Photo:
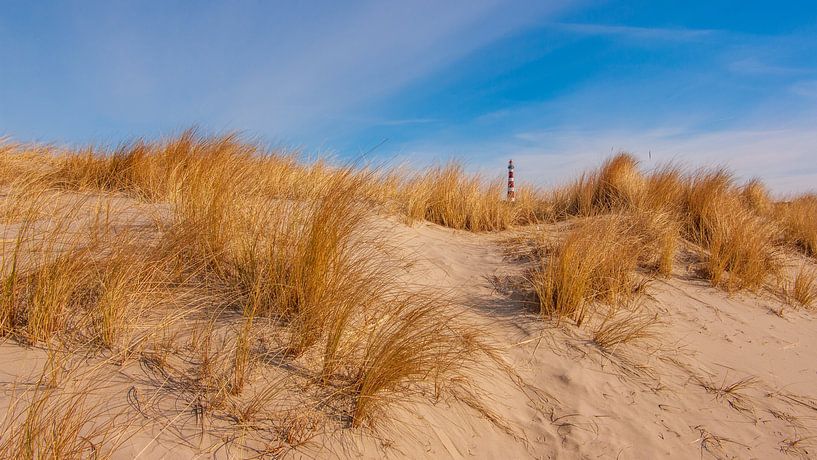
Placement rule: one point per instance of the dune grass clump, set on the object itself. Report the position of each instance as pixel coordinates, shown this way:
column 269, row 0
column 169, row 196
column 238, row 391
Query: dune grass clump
column 413, row 344
column 277, row 258
column 730, row 224
column 742, row 253
column 738, row 242
column 658, row 233
column 52, row 425
column 756, row 197
column 146, row 170
column 797, row 217
column 595, row 263
column 617, row 185
column 804, row 287
column 68, row 274
column 45, row 274
column 448, row 196
column 57, row 415
column 665, row 190
column 617, row 329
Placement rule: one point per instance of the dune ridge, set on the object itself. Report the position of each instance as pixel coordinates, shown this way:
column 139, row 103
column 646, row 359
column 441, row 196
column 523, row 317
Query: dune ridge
column 207, row 296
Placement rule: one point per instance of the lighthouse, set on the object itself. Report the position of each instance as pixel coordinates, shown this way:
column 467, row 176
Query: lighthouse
column 511, row 189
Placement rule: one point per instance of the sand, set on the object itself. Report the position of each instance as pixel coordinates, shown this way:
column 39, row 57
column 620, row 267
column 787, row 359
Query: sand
column 561, row 396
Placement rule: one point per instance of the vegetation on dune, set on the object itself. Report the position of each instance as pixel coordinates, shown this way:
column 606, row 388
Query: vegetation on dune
column 796, row 216
column 804, row 287
column 449, row 197
column 594, row 263
column 271, row 266
column 271, row 258
column 627, row 221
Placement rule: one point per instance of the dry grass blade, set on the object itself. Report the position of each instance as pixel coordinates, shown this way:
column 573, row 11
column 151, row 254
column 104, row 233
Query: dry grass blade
column 804, row 287
column 802, row 447
column 732, row 393
column 618, row 329
column 714, row 444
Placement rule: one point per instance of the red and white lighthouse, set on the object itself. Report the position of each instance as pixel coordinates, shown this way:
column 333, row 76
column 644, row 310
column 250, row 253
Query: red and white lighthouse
column 511, row 189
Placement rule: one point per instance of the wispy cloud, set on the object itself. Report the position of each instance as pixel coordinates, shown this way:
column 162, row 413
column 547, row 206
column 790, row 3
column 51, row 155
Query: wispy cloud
column 755, row 65
column 371, row 52
column 805, row 88
column 637, row 33
column 407, row 121
column 284, row 70
column 783, row 157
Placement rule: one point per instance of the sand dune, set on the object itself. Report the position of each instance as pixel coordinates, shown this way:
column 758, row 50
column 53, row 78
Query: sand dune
column 195, row 317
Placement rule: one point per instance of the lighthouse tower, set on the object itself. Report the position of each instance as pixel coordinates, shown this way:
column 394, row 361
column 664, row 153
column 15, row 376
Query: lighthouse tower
column 511, row 189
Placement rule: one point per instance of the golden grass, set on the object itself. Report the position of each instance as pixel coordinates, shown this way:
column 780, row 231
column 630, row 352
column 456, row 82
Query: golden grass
column 278, row 251
column 665, row 189
column 56, row 416
column 598, row 261
column 413, row 343
column 756, row 197
column 271, row 268
column 799, row 224
column 594, row 263
column 616, row 185
column 804, row 287
column 52, row 426
column 617, row 329
column 731, row 225
column 448, row 196
column 658, row 233
column 740, row 244
column 619, row 184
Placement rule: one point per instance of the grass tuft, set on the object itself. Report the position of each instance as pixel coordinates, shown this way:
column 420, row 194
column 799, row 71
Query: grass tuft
column 625, row 328
column 595, row 263
column 804, row 287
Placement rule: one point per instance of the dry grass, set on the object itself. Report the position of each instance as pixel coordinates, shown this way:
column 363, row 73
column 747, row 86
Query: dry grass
column 665, row 190
column 799, row 225
column 271, row 263
column 412, row 344
column 51, row 426
column 448, row 196
column 598, row 262
column 69, row 273
column 658, row 233
column 742, row 246
column 259, row 289
column 615, row 329
column 732, row 226
column 804, row 287
column 739, row 242
column 617, row 185
column 732, row 393
column 595, row 263
column 756, row 197
column 56, row 416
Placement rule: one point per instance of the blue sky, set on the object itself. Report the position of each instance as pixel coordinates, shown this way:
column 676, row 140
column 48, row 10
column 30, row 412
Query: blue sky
column 554, row 85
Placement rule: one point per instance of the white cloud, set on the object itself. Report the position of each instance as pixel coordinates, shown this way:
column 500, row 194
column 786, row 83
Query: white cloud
column 367, row 53
column 785, row 158
column 637, row 33
column 807, row 88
